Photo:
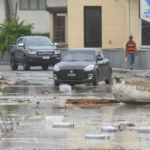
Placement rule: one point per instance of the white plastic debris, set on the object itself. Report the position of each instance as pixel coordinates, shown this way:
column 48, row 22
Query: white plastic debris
column 65, row 88
column 62, row 125
column 143, row 129
column 6, row 122
column 109, row 129
column 52, row 119
column 97, row 136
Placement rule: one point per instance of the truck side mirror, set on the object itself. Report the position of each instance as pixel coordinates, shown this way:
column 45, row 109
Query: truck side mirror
column 21, row 45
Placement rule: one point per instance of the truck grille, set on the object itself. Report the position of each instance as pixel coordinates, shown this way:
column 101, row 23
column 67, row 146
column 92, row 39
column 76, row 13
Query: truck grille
column 66, row 74
column 45, row 53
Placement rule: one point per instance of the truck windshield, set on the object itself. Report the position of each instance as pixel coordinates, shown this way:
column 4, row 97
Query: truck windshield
column 38, row 42
column 79, row 56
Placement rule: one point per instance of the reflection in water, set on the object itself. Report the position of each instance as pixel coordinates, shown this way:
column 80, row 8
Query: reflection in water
column 34, row 90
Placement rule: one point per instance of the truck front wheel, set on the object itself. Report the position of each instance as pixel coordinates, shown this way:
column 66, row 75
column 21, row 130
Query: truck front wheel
column 13, row 64
column 26, row 64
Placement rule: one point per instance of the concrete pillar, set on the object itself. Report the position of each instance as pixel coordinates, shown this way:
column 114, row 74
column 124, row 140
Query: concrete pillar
column 51, row 26
column 127, row 18
column 66, row 28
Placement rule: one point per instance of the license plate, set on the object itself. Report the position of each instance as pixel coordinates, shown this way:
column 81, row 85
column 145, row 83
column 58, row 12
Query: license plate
column 71, row 74
column 46, row 57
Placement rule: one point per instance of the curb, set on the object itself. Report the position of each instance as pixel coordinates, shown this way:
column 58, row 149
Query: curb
column 4, row 63
column 119, row 70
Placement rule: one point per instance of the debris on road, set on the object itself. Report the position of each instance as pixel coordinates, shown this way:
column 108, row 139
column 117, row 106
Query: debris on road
column 4, row 82
column 62, row 125
column 109, row 129
column 20, row 82
column 6, row 126
column 38, row 113
column 52, row 119
column 129, row 124
column 143, row 130
column 46, row 92
column 121, row 127
column 65, row 88
column 97, row 136
column 131, row 91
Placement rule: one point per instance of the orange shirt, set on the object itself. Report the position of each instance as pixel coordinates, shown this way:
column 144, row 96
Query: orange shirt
column 131, row 47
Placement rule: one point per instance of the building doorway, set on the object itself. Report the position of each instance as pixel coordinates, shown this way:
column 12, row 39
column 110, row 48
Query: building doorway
column 59, row 27
column 92, row 26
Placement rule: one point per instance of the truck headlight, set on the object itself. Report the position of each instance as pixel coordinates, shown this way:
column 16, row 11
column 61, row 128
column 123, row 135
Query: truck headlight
column 56, row 68
column 89, row 68
column 57, row 52
column 32, row 52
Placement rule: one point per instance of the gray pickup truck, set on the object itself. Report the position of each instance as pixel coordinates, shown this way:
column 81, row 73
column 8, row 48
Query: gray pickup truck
column 34, row 51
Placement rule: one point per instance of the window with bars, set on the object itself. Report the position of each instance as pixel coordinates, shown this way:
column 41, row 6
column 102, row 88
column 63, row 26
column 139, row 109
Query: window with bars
column 32, row 4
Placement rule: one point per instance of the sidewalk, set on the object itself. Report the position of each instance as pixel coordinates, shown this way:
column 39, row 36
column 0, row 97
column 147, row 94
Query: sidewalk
column 122, row 70
column 4, row 63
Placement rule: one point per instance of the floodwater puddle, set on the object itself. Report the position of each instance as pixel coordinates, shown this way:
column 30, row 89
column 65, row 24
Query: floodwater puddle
column 31, row 90
column 34, row 133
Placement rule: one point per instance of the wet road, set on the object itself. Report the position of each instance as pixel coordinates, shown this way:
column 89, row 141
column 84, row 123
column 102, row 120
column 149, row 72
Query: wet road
column 32, row 131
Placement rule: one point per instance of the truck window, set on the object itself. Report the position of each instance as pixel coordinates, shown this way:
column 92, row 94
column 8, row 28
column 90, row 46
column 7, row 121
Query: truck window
column 20, row 41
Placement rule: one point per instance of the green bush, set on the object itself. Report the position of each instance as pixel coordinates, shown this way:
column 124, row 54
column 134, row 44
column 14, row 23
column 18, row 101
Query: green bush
column 40, row 34
column 10, row 30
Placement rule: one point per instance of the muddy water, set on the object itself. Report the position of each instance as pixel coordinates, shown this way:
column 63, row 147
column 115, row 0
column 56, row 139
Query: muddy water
column 33, row 133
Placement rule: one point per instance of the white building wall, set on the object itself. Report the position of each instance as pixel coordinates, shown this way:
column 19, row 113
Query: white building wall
column 2, row 11
column 40, row 18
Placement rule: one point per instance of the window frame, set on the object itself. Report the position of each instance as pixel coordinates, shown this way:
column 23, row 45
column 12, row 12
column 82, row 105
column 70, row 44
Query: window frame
column 142, row 46
column 18, row 42
column 20, row 2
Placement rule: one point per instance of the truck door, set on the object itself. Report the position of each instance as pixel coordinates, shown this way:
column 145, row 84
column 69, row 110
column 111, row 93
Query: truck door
column 19, row 50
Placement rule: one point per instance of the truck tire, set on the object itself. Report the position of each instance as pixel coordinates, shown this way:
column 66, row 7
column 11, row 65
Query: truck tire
column 26, row 64
column 13, row 64
column 56, row 84
column 45, row 67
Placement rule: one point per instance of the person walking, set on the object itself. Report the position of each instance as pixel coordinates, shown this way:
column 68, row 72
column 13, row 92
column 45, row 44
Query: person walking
column 131, row 51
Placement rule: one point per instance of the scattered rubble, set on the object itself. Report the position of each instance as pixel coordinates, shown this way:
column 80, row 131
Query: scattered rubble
column 4, row 82
column 131, row 91
column 97, row 136
column 62, row 125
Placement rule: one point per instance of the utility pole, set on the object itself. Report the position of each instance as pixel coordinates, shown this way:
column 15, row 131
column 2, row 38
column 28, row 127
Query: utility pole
column 7, row 10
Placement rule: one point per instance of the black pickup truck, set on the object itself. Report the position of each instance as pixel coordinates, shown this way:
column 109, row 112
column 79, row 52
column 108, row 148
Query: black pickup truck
column 34, row 51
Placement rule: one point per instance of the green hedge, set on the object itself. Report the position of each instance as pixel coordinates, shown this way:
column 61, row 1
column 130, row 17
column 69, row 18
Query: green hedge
column 41, row 34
